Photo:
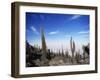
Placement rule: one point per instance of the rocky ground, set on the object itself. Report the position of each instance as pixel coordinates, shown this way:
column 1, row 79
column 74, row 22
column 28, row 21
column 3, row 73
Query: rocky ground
column 35, row 57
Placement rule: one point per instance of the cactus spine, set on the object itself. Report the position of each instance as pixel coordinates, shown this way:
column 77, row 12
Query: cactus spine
column 72, row 45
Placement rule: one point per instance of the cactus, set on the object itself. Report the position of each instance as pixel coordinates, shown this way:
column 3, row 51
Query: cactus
column 43, row 41
column 72, row 45
column 67, row 53
column 62, row 51
column 77, row 56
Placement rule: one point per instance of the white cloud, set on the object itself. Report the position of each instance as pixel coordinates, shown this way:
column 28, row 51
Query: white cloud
column 53, row 32
column 83, row 32
column 75, row 17
column 34, row 30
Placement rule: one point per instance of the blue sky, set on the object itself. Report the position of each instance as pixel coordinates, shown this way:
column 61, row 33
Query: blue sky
column 58, row 29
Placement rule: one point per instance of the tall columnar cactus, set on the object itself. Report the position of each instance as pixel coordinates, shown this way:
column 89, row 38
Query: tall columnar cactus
column 72, row 46
column 43, row 40
column 62, row 50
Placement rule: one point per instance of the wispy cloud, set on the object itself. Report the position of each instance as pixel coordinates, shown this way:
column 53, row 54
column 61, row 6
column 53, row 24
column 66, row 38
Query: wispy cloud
column 83, row 32
column 75, row 17
column 34, row 30
column 53, row 32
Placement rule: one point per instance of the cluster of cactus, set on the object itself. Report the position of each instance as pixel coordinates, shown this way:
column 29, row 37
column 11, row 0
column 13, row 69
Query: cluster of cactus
column 72, row 46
